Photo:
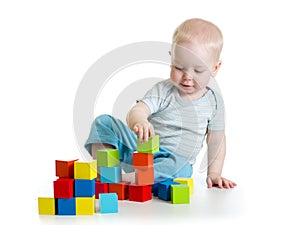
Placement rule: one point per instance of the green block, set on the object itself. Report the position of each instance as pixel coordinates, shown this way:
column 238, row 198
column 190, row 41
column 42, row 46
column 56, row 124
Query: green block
column 108, row 157
column 148, row 147
column 180, row 194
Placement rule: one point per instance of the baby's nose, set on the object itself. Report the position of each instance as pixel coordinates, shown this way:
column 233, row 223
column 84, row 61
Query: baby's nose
column 187, row 75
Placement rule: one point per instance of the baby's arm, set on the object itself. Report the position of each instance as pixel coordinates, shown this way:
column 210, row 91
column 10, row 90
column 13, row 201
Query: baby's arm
column 137, row 120
column 216, row 144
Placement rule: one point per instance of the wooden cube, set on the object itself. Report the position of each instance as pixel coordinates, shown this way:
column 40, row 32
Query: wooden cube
column 84, row 188
column 108, row 157
column 187, row 181
column 85, row 205
column 64, row 168
column 63, row 188
column 66, row 206
column 85, row 170
column 148, row 147
column 144, row 176
column 100, row 188
column 46, row 205
column 108, row 203
column 140, row 193
column 121, row 189
column 180, row 194
column 142, row 160
column 110, row 174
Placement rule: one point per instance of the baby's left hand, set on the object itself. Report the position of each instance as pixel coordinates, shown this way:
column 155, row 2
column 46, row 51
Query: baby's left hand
column 221, row 182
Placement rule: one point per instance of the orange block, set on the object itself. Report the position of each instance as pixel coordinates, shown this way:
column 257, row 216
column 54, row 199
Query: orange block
column 144, row 175
column 142, row 159
column 64, row 168
column 121, row 189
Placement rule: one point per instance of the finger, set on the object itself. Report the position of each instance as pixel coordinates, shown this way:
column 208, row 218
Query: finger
column 140, row 133
column 220, row 183
column 151, row 131
column 226, row 183
column 135, row 129
column 209, row 182
column 232, row 184
column 146, row 133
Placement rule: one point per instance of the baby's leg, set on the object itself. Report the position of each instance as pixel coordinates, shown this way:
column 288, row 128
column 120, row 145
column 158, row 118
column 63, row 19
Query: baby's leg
column 109, row 132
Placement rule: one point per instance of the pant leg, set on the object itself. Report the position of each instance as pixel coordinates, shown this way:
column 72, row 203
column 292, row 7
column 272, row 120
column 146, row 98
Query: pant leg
column 167, row 165
column 109, row 130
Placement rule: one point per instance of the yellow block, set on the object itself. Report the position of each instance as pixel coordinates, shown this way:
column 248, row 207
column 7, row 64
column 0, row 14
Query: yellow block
column 85, row 205
column 85, row 170
column 187, row 181
column 46, row 205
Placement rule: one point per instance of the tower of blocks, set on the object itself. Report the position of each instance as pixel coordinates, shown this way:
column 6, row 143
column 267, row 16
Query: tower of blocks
column 80, row 184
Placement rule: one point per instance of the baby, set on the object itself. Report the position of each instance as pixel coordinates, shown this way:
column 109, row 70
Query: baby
column 183, row 110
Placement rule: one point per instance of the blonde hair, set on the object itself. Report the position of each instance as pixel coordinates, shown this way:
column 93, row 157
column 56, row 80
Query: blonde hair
column 202, row 32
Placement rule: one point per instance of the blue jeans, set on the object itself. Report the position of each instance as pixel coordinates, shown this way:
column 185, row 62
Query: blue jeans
column 109, row 130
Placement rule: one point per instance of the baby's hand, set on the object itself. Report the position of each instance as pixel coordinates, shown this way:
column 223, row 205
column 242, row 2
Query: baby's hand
column 144, row 130
column 216, row 180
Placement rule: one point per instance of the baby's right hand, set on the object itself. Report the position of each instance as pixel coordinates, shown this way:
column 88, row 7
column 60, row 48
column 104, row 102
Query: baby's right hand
column 143, row 130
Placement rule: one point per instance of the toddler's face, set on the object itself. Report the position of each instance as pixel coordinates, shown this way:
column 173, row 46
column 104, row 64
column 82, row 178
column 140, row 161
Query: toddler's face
column 189, row 73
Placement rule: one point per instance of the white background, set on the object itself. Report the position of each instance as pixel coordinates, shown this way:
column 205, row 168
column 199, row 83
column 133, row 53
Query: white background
column 47, row 46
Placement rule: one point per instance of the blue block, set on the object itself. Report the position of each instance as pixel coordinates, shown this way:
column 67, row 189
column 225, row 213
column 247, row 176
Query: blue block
column 66, row 206
column 110, row 174
column 84, row 188
column 164, row 189
column 108, row 203
column 155, row 189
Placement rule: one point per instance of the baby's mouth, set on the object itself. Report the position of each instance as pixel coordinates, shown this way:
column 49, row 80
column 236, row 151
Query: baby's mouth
column 186, row 85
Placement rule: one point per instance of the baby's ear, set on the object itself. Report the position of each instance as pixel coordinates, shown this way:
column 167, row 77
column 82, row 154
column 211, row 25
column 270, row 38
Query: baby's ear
column 216, row 68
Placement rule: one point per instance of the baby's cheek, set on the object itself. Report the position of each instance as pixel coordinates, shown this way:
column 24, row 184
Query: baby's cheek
column 174, row 76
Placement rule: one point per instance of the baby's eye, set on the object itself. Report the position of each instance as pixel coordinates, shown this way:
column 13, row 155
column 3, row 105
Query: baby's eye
column 178, row 68
column 198, row 71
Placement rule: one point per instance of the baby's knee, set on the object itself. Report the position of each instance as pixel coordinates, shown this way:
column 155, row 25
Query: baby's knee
column 104, row 119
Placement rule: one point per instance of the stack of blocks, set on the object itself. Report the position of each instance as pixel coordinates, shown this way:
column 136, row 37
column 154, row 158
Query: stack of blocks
column 78, row 186
column 74, row 190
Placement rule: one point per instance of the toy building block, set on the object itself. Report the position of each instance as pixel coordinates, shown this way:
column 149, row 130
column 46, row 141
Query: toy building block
column 85, row 205
column 142, row 160
column 64, row 168
column 155, row 189
column 108, row 203
column 180, row 194
column 140, row 193
column 66, row 206
column 85, row 170
column 110, row 174
column 187, row 181
column 144, row 176
column 149, row 147
column 63, row 188
column 84, row 188
column 100, row 188
column 164, row 190
column 121, row 189
column 108, row 157
column 128, row 177
column 46, row 206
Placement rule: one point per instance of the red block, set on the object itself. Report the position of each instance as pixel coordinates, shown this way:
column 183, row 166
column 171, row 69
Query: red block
column 121, row 189
column 64, row 168
column 140, row 193
column 100, row 188
column 63, row 188
column 142, row 160
column 144, row 175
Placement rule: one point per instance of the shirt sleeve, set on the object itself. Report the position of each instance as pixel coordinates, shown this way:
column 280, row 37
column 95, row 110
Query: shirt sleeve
column 217, row 121
column 155, row 97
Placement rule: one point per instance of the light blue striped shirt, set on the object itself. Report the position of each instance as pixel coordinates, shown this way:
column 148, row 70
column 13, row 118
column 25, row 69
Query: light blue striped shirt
column 181, row 125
